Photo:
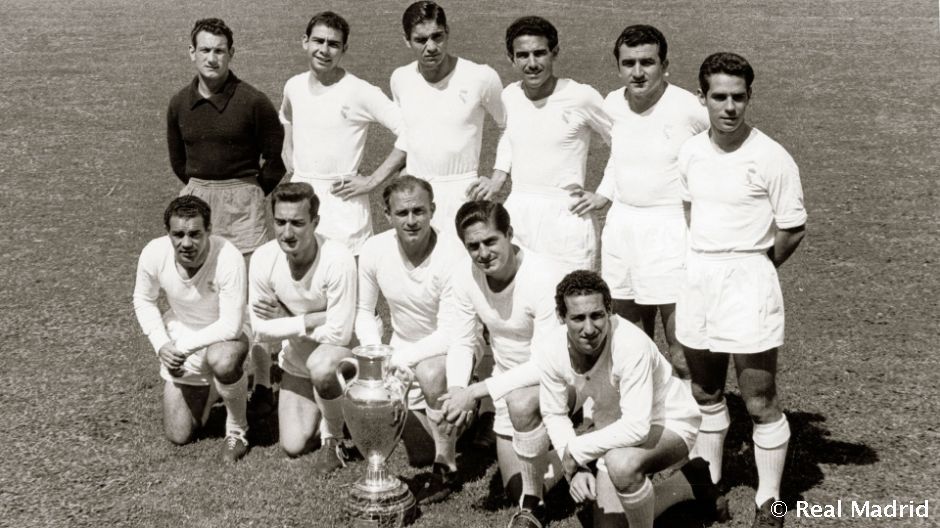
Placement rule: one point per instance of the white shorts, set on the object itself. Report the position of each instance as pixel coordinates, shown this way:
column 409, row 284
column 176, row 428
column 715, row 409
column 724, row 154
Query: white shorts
column 293, row 357
column 542, row 223
column 450, row 192
column 237, row 210
column 195, row 369
column 643, row 253
column 731, row 303
column 346, row 221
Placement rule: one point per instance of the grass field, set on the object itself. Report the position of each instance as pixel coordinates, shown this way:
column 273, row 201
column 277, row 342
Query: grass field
column 849, row 87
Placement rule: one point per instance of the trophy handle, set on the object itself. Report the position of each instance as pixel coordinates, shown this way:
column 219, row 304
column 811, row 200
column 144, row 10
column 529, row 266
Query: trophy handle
column 339, row 372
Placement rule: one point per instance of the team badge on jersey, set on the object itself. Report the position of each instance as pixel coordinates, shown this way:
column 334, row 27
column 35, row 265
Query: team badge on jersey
column 344, row 111
column 213, row 287
column 464, row 95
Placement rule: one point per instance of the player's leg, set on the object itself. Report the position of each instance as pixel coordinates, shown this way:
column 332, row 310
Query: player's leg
column 530, row 442
column 431, row 375
column 225, row 361
column 708, row 372
column 183, row 409
column 297, row 415
column 628, row 468
column 641, row 315
column 322, row 364
column 757, row 380
column 676, row 355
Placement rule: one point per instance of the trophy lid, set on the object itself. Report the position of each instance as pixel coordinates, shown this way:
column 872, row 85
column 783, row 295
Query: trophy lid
column 373, row 351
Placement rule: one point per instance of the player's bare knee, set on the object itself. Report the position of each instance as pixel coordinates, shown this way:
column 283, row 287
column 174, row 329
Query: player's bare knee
column 322, row 365
column 705, row 395
column 523, row 405
column 762, row 408
column 179, row 433
column 431, row 375
column 225, row 360
column 626, row 473
column 293, row 447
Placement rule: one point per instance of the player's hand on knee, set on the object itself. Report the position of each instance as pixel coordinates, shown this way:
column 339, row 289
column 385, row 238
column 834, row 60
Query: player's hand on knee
column 172, row 358
column 267, row 310
column 456, row 401
column 583, row 487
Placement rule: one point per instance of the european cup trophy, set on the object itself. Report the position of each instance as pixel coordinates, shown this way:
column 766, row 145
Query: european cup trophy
column 375, row 407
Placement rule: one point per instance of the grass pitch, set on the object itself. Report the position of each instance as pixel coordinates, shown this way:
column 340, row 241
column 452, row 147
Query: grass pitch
column 849, row 88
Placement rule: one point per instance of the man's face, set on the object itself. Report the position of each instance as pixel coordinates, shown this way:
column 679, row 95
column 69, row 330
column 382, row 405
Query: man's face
column 533, row 59
column 726, row 101
column 325, row 48
column 428, row 41
column 409, row 212
column 190, row 239
column 294, row 228
column 489, row 248
column 641, row 70
column 588, row 323
column 211, row 55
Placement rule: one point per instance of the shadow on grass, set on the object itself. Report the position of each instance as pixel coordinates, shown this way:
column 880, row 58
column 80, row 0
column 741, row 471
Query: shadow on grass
column 810, row 445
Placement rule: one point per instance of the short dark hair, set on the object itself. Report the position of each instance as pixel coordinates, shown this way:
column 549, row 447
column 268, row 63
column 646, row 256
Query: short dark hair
column 728, row 63
column 485, row 211
column 330, row 20
column 639, row 34
column 295, row 192
column 581, row 282
column 188, row 206
column 534, row 26
column 405, row 182
column 214, row 26
column 419, row 12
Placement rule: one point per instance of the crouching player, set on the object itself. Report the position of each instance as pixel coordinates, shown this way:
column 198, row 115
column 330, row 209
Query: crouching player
column 302, row 289
column 508, row 289
column 645, row 419
column 411, row 265
column 199, row 340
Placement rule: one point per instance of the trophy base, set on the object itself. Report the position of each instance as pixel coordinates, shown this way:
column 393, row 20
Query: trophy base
column 392, row 506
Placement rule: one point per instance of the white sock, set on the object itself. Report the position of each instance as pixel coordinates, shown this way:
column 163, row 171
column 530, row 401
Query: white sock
column 261, row 360
column 770, row 455
column 710, row 442
column 445, row 445
column 235, row 397
column 670, row 491
column 638, row 506
column 331, row 423
column 532, row 449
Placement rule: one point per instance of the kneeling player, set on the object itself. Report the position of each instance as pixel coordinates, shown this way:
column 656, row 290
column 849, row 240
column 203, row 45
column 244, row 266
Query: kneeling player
column 508, row 289
column 302, row 289
column 645, row 419
column 411, row 265
column 199, row 340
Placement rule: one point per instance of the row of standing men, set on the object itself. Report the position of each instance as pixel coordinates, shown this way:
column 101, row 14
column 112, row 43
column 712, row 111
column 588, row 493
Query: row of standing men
column 698, row 223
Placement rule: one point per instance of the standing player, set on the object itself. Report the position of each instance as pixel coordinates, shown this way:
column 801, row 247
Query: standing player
column 747, row 218
column 644, row 239
column 443, row 99
column 411, row 265
column 225, row 140
column 199, row 340
column 645, row 420
column 302, row 289
column 545, row 146
column 509, row 289
column 326, row 114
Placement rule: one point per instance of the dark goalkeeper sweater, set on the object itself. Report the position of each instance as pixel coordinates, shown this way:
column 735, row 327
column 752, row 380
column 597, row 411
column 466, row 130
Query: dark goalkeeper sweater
column 233, row 134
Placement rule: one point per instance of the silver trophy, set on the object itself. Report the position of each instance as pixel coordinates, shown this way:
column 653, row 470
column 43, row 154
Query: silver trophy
column 375, row 407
